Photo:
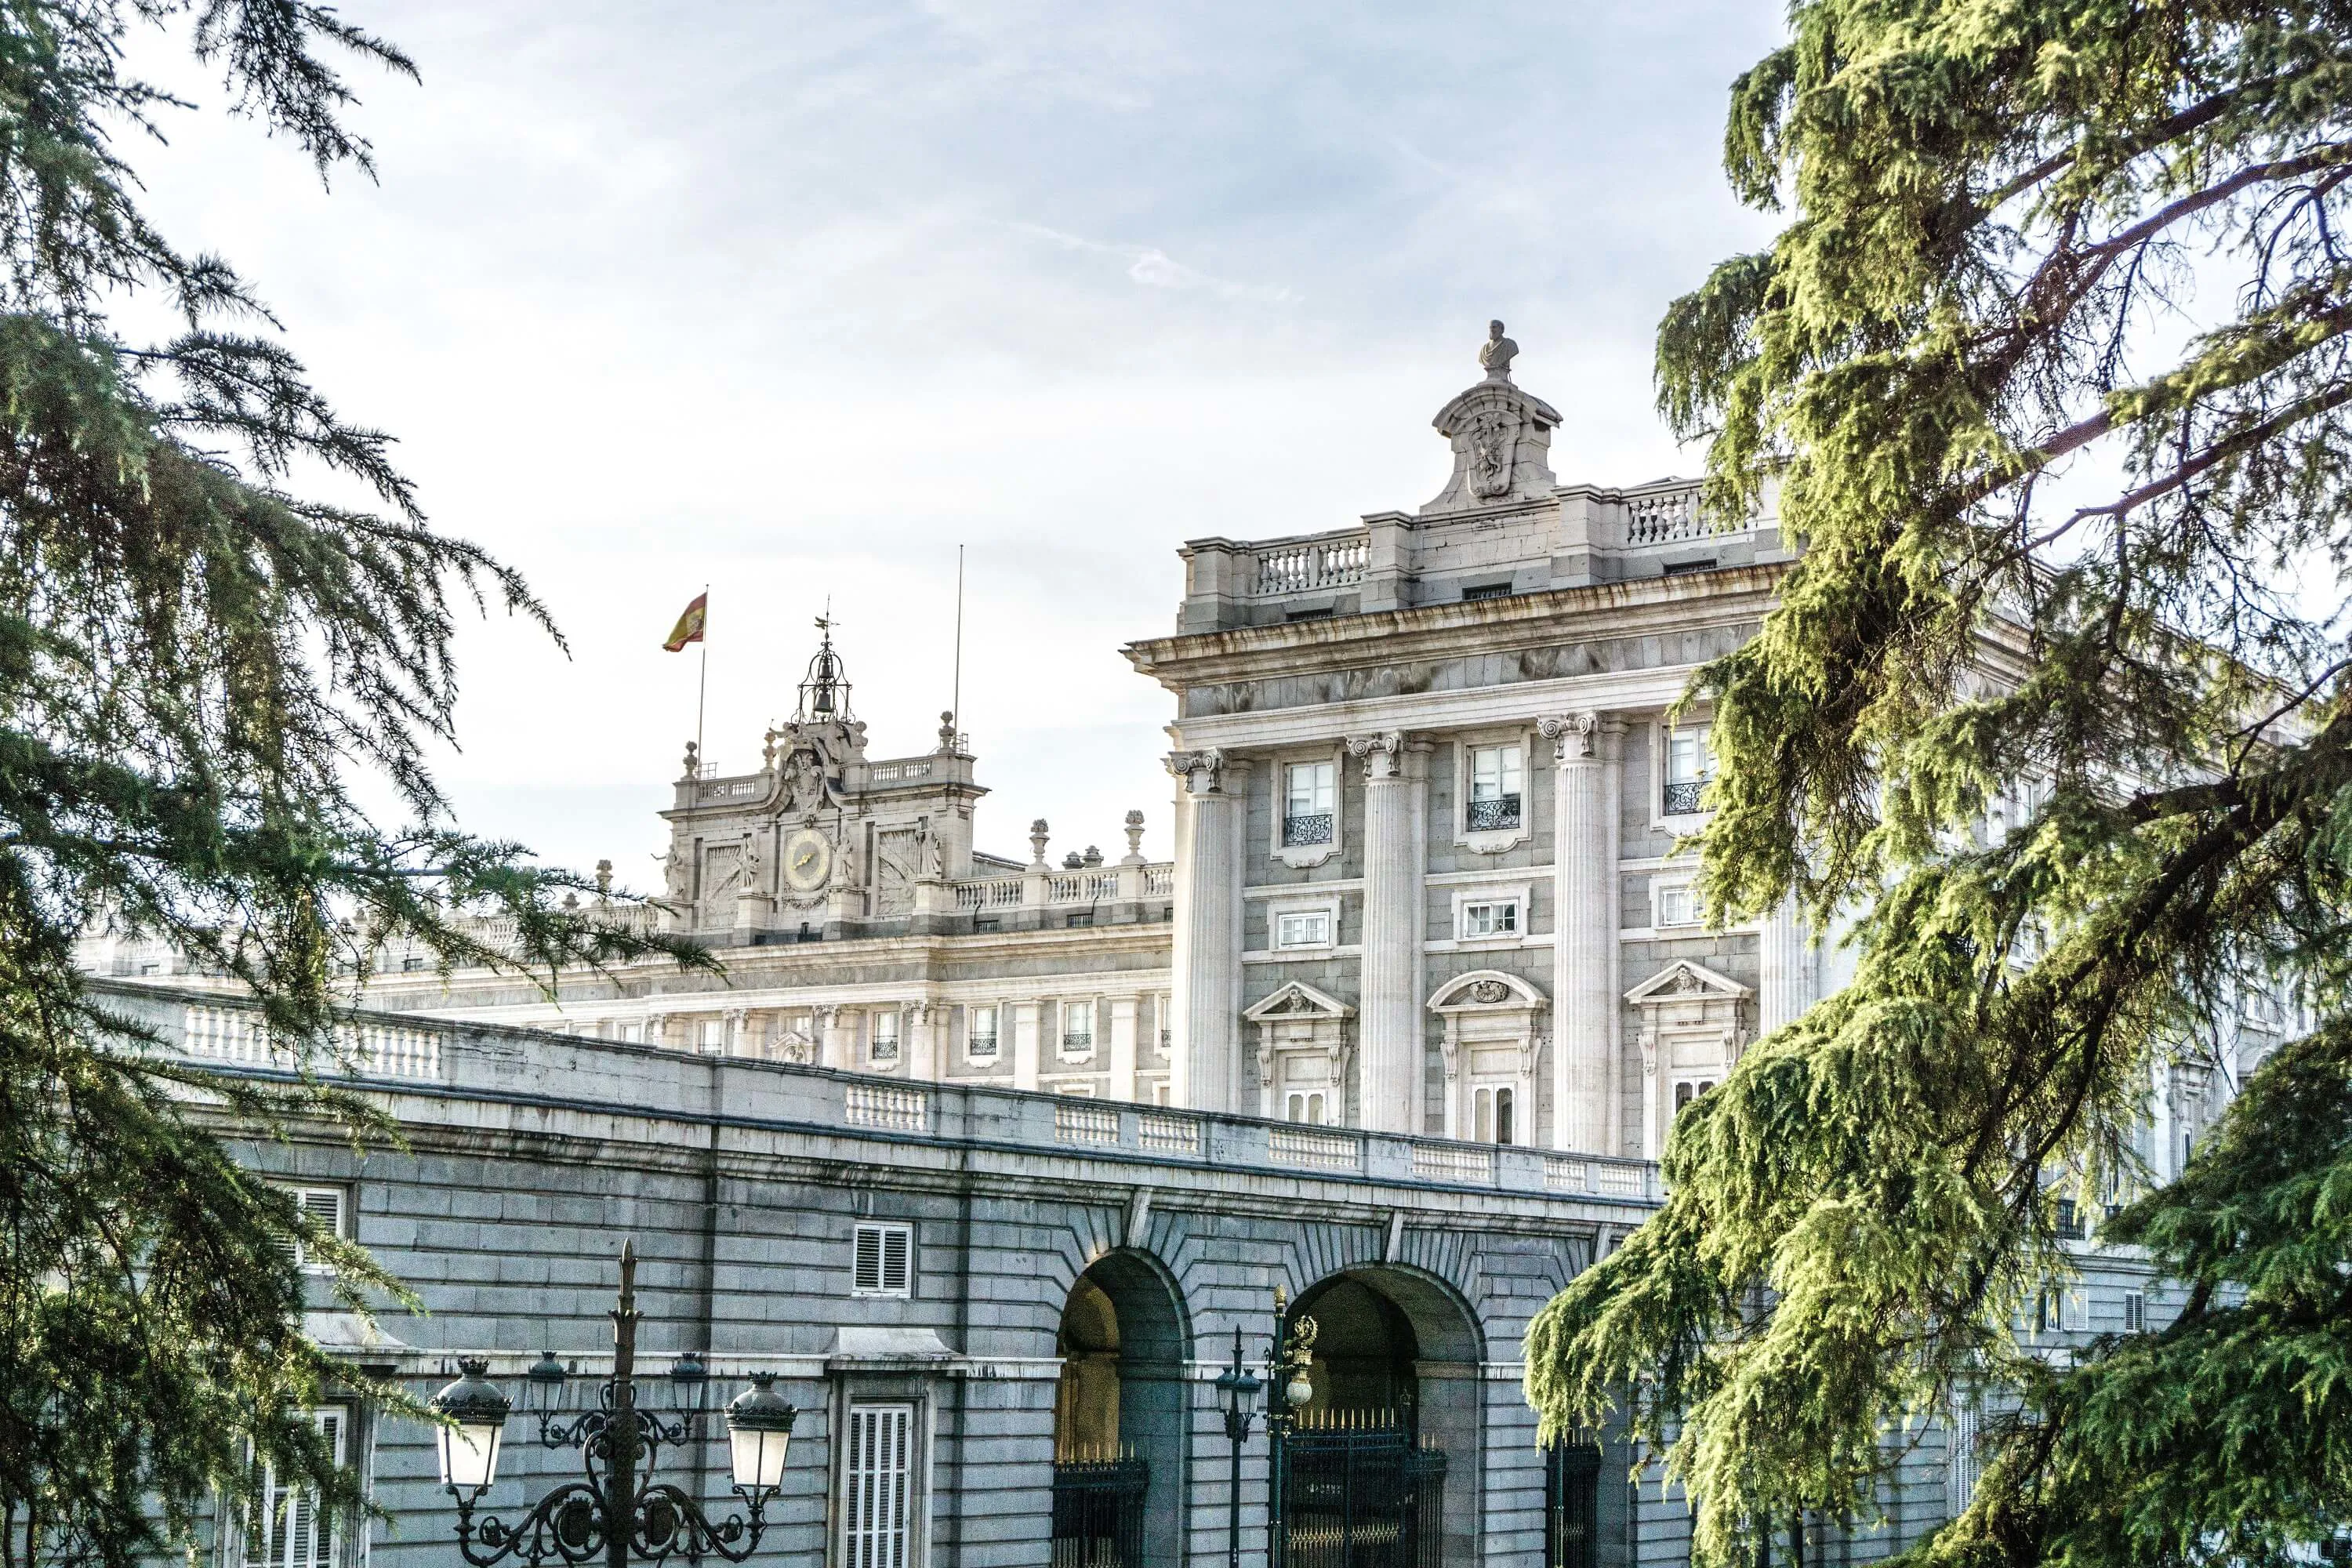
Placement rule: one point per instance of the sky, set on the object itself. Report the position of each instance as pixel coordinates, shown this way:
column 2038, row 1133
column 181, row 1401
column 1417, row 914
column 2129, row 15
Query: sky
column 794, row 300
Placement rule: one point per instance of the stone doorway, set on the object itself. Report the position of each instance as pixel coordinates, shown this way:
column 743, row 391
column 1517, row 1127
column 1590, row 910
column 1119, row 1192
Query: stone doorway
column 1118, row 1419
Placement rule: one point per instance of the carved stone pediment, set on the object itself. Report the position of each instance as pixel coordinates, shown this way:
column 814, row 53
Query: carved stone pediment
column 1683, row 981
column 1485, row 990
column 1298, row 1000
column 1502, row 444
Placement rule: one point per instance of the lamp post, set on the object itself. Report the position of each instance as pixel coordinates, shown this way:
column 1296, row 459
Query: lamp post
column 1236, row 1391
column 1289, row 1391
column 619, row 1513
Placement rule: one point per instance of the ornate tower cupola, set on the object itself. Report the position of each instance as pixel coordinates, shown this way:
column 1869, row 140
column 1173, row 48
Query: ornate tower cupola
column 824, row 691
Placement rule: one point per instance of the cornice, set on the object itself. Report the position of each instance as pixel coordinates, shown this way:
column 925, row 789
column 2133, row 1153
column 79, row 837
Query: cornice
column 1644, row 606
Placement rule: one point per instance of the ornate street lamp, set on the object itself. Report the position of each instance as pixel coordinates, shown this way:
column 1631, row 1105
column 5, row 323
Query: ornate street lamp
column 1289, row 1391
column 1237, row 1391
column 619, row 1512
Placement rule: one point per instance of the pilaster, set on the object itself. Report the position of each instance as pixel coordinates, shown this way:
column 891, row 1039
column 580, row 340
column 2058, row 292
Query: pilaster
column 1117, row 1015
column 1784, row 966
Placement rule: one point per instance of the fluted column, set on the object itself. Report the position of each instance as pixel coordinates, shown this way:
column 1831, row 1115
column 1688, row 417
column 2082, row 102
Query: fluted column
column 1388, row 1010
column 1784, row 963
column 1206, row 1051
column 1584, row 925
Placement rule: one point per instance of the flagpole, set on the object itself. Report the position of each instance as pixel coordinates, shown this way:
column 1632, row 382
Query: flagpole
column 702, row 682
column 955, row 697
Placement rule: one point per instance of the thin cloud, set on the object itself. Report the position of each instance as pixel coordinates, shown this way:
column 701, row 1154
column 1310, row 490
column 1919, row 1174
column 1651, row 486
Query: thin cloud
column 1155, row 269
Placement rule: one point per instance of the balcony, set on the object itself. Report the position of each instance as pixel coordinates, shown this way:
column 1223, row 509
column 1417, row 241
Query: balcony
column 1306, row 832
column 1493, row 814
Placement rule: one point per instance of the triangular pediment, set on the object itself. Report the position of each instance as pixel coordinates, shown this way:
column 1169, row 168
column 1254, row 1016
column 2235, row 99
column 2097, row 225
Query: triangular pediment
column 1684, row 981
column 1298, row 1000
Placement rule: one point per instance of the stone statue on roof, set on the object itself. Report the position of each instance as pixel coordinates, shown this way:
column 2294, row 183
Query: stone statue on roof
column 1497, row 352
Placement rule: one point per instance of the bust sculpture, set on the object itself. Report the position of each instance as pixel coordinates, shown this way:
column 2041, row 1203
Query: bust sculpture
column 1497, row 352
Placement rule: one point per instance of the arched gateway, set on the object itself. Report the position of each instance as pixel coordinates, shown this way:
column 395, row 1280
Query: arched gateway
column 1119, row 1417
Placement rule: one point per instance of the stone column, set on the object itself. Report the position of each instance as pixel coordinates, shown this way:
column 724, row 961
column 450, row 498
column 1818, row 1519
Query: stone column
column 1204, row 1066
column 1122, row 1013
column 1387, row 1010
column 1585, row 932
column 836, row 1038
column 1784, row 988
column 926, row 1022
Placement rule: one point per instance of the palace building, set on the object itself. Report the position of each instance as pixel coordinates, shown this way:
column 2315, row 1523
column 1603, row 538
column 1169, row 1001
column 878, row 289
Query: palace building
column 993, row 1164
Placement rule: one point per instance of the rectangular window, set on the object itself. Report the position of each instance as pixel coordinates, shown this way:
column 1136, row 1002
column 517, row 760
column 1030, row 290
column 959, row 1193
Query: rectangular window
column 292, row 1529
column 1498, row 919
column 1678, row 904
column 1308, row 803
column 885, row 1044
column 1303, row 928
column 2070, row 1220
column 1689, row 764
column 1490, row 1118
column 712, row 1040
column 1965, row 1466
column 987, row 922
column 1485, row 591
column 1077, row 1026
column 1077, row 920
column 2135, row 1311
column 1497, row 779
column 329, row 1207
column 1689, row 1089
column 884, row 1260
column 1304, row 1106
column 980, row 1034
column 874, row 1473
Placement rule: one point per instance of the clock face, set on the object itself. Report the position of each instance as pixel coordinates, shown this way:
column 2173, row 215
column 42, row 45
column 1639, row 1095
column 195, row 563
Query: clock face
column 807, row 860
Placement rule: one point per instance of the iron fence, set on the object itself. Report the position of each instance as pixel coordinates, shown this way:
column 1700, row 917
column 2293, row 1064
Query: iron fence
column 1370, row 1498
column 1098, row 1513
column 1571, row 1501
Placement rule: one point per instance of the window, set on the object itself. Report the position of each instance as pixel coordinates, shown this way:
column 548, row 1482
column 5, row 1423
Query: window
column 1160, row 1092
column 1485, row 591
column 2070, row 1220
column 1078, row 919
column 884, row 1046
column 1495, row 782
column 1310, row 792
column 328, row 1207
column 1303, row 1107
column 1498, row 917
column 289, row 1529
column 1689, row 1089
column 1308, row 616
column 884, row 1260
column 1965, row 1466
column 1490, row 1118
column 1678, row 905
column 1689, row 764
column 980, row 1034
column 1303, row 928
column 2135, row 1311
column 874, row 1484
column 1077, row 1026
column 987, row 922
column 712, row 1036
column 1677, row 568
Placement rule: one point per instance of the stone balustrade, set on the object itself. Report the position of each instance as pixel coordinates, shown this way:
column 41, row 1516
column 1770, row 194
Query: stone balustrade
column 593, row 1076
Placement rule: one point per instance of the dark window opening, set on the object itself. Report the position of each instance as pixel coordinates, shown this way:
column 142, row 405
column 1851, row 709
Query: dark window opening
column 1081, row 918
column 1489, row 591
column 1682, row 568
column 1323, row 615
column 987, row 922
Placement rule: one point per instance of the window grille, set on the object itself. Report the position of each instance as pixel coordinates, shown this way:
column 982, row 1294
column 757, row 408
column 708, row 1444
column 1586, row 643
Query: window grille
column 1309, row 804
column 1497, row 779
column 1690, row 763
column 292, row 1530
column 874, row 1482
column 979, row 1036
column 885, row 1044
column 1485, row 591
column 883, row 1264
column 328, row 1207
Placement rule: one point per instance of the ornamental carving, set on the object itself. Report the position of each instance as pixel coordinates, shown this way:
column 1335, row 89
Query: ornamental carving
column 1572, row 735
column 1494, row 438
column 1202, row 770
column 1489, row 991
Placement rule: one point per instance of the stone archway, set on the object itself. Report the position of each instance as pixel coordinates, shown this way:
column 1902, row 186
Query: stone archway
column 1119, row 1404
column 1399, row 1349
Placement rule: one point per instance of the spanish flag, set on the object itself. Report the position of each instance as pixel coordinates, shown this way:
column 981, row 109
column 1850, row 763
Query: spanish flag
column 689, row 625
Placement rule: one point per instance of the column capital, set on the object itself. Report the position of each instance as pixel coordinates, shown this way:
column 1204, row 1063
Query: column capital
column 1380, row 752
column 1201, row 770
column 1582, row 737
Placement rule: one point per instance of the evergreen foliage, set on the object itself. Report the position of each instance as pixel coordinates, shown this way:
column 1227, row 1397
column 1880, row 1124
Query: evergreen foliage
column 2049, row 369
column 196, row 663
